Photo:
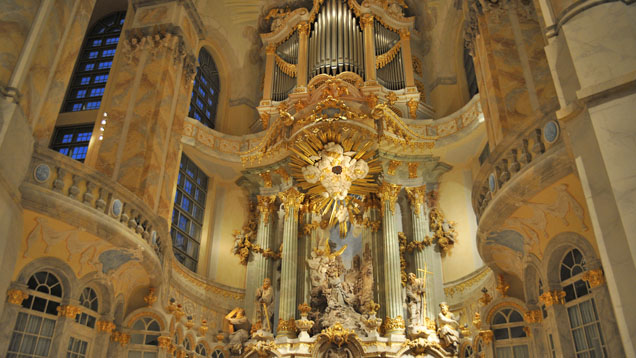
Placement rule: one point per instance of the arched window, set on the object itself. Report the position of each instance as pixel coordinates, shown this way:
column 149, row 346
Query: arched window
column 144, row 338
column 510, row 336
column 581, row 307
column 205, row 92
column 217, row 354
column 471, row 79
column 93, row 65
column 467, row 352
column 187, row 214
column 36, row 319
column 201, row 351
column 90, row 306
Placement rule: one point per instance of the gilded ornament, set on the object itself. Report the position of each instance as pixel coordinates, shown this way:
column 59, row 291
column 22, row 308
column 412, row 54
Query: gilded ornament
column 594, row 277
column 105, row 326
column 413, row 169
column 412, row 104
column 189, row 322
column 417, row 197
column 388, row 193
column 203, row 328
column 393, row 165
column 366, row 20
column 486, row 336
column 15, row 296
column 533, row 316
column 303, row 28
column 451, row 290
column 386, row 58
column 502, row 285
column 267, row 179
column 405, row 34
column 420, row 345
column 68, row 311
column 287, row 326
column 477, row 320
column 417, row 66
column 265, row 119
column 270, row 49
column 444, row 231
column 164, row 342
column 393, row 325
column 150, row 298
column 304, row 309
column 122, row 338
column 372, row 100
column 391, row 98
column 337, row 334
column 486, row 298
column 178, row 313
column 371, row 308
column 552, row 298
column 287, row 68
column 261, row 348
column 265, row 205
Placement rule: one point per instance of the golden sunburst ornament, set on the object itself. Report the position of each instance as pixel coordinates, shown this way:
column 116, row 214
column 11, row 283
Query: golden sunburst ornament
column 336, row 166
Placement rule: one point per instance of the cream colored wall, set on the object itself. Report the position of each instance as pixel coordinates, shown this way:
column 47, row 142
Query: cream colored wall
column 454, row 200
column 230, row 213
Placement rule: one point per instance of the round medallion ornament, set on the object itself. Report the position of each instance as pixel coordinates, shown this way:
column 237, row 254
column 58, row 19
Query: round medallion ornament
column 551, row 131
column 116, row 207
column 42, row 173
column 492, row 182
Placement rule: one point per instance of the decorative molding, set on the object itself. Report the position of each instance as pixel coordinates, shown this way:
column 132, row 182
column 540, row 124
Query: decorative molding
column 292, row 200
column 393, row 165
column 595, row 278
column 337, row 335
column 68, row 311
column 105, row 326
column 122, row 338
column 534, row 316
column 412, row 169
column 417, row 198
column 150, row 298
column 393, row 325
column 468, row 283
column 554, row 297
column 388, row 193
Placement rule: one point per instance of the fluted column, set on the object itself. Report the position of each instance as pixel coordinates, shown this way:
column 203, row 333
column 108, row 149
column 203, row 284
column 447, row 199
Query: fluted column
column 269, row 72
column 303, row 39
column 394, row 323
column 426, row 259
column 260, row 267
column 369, row 48
column 292, row 199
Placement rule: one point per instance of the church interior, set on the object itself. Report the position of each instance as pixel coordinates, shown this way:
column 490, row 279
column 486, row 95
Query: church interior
column 318, row 178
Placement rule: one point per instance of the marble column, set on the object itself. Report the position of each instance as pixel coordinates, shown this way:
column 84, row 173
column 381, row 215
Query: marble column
column 259, row 267
column 292, row 200
column 147, row 98
column 377, row 251
column 369, row 48
column 426, row 259
column 394, row 323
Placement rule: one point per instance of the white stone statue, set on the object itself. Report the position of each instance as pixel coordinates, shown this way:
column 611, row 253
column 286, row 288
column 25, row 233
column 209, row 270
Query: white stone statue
column 448, row 328
column 264, row 301
column 415, row 300
column 239, row 332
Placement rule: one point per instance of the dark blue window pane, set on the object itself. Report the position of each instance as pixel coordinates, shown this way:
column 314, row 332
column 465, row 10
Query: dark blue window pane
column 108, row 53
column 104, row 65
column 112, row 40
column 64, row 151
column 93, row 105
column 89, row 67
column 199, row 103
column 79, row 152
column 188, row 187
column 96, row 43
column 80, row 94
column 101, row 79
column 84, row 137
column 93, row 54
column 95, row 92
column 77, row 107
column 67, row 138
column 85, row 80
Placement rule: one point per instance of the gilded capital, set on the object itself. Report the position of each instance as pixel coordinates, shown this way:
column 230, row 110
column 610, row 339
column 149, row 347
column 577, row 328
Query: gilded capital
column 286, row 326
column 292, row 199
column 303, row 28
column 366, row 20
column 265, row 204
column 405, row 34
column 105, row 326
column 393, row 165
column 533, row 316
column 417, row 198
column 270, row 49
column 15, row 297
column 388, row 194
column 164, row 342
column 122, row 338
column 552, row 298
column 68, row 311
column 594, row 277
column 413, row 169
column 267, row 179
column 486, row 336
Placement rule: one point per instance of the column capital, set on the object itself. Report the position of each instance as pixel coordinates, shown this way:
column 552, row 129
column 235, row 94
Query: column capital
column 394, row 325
column 292, row 199
column 405, row 34
column 303, row 28
column 265, row 205
column 417, row 197
column 270, row 49
column 552, row 298
column 15, row 296
column 68, row 311
column 595, row 278
column 105, row 326
column 388, row 194
column 533, row 316
column 366, row 20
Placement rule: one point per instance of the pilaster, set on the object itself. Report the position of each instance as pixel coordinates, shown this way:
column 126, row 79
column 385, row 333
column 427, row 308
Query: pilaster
column 369, row 48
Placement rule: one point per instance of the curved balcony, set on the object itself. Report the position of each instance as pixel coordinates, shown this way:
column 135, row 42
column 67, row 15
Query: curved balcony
column 516, row 170
column 69, row 191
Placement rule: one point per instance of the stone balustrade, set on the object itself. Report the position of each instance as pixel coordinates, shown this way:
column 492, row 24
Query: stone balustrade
column 59, row 178
column 512, row 157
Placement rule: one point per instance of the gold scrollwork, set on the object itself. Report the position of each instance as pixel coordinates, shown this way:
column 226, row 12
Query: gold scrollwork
column 164, row 342
column 337, row 334
column 122, row 338
column 393, row 325
column 68, row 311
column 292, row 200
column 533, row 316
column 105, row 326
column 594, row 277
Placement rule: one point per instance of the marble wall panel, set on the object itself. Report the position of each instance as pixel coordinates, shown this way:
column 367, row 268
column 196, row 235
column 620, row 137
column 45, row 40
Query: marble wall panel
column 16, row 18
